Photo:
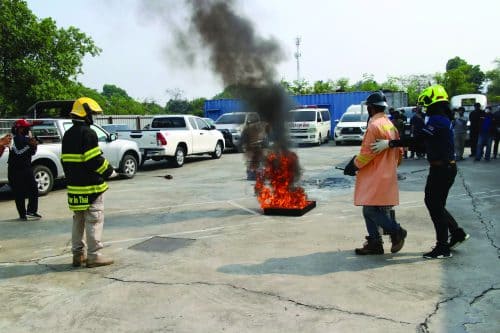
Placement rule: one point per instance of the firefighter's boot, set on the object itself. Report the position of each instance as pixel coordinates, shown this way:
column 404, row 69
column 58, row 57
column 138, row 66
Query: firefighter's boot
column 99, row 260
column 371, row 246
column 79, row 259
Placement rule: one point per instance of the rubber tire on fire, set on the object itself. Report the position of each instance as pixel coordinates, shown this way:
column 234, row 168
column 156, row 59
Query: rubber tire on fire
column 128, row 166
column 179, row 157
column 217, row 151
column 44, row 178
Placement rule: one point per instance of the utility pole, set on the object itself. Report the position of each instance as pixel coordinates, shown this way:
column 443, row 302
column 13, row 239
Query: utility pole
column 297, row 56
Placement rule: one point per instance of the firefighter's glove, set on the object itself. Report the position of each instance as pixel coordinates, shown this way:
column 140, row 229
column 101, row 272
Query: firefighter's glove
column 351, row 168
column 113, row 175
column 379, row 146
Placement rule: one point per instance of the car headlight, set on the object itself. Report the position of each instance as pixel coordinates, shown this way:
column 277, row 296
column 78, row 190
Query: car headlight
column 363, row 128
column 235, row 130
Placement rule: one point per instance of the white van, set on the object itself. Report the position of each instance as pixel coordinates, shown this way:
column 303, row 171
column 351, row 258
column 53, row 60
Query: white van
column 352, row 124
column 468, row 101
column 309, row 125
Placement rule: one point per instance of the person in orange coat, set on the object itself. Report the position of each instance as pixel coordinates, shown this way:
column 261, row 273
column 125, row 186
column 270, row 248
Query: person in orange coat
column 5, row 143
column 376, row 180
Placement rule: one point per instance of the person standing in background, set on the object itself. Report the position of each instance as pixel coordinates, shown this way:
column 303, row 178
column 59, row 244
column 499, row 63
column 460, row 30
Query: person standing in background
column 474, row 117
column 20, row 172
column 496, row 136
column 485, row 137
column 460, row 133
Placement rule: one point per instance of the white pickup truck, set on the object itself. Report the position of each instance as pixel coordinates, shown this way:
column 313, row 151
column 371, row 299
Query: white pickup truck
column 174, row 137
column 123, row 155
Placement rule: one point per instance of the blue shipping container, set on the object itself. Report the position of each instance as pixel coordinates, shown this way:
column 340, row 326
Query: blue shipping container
column 336, row 103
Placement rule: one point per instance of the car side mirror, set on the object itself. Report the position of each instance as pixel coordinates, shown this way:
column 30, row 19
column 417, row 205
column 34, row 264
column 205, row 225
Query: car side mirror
column 336, row 121
column 113, row 137
column 212, row 127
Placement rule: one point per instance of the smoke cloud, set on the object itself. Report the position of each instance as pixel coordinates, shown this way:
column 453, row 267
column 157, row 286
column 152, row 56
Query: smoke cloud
column 245, row 61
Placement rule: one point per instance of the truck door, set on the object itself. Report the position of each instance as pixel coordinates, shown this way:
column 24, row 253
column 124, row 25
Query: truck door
column 207, row 139
column 109, row 149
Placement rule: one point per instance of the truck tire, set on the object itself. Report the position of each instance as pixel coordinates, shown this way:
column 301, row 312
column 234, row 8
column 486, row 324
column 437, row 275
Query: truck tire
column 217, row 151
column 320, row 140
column 128, row 166
column 44, row 178
column 179, row 157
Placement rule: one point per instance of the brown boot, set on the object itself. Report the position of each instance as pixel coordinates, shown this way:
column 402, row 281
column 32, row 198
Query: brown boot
column 99, row 261
column 398, row 240
column 79, row 259
column 371, row 246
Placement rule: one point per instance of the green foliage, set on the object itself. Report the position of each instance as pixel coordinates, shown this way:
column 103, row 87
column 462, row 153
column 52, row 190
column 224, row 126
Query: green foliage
column 493, row 77
column 110, row 90
column 178, row 106
column 197, row 106
column 461, row 77
column 37, row 60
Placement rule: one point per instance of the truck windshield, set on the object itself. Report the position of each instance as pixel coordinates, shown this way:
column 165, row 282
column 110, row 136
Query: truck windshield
column 231, row 119
column 303, row 116
column 169, row 122
column 356, row 117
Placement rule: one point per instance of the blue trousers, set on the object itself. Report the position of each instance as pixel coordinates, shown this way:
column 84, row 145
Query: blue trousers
column 378, row 216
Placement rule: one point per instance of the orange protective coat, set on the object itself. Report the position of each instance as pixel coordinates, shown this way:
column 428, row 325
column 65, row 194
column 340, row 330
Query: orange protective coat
column 377, row 180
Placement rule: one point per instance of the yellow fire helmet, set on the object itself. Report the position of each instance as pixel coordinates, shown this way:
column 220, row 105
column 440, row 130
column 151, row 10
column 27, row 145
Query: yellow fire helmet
column 431, row 95
column 78, row 109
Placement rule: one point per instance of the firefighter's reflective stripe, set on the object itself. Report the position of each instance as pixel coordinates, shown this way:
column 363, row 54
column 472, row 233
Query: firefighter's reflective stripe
column 364, row 159
column 88, row 155
column 91, row 189
column 103, row 167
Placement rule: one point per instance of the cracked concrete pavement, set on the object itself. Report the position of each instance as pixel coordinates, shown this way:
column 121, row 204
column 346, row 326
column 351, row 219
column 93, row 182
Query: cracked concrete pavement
column 246, row 272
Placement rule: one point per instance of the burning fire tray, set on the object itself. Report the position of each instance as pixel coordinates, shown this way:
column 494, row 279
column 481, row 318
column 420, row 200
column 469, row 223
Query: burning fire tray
column 290, row 211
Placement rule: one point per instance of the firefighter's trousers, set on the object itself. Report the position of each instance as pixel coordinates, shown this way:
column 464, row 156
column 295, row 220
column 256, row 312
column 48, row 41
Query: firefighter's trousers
column 88, row 223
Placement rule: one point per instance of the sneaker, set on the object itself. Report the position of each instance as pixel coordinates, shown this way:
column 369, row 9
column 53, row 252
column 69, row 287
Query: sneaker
column 398, row 240
column 439, row 252
column 23, row 218
column 458, row 238
column 99, row 261
column 371, row 246
column 33, row 216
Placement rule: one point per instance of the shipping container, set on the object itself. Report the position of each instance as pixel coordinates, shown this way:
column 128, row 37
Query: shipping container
column 336, row 103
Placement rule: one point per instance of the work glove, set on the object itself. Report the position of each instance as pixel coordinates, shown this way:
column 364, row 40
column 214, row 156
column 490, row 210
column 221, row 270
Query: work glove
column 351, row 168
column 113, row 175
column 379, row 146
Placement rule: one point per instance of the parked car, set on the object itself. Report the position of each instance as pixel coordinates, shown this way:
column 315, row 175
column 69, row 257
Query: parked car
column 352, row 125
column 174, row 137
column 123, row 155
column 309, row 125
column 233, row 124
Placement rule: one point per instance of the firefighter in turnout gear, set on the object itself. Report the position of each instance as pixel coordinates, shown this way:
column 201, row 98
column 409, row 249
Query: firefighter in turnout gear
column 85, row 169
column 376, row 186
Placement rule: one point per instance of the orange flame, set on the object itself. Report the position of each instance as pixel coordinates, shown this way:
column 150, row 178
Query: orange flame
column 275, row 183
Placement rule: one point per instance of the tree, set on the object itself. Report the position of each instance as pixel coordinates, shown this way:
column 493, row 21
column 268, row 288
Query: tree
column 37, row 60
column 368, row 83
column 321, row 87
column 461, row 77
column 109, row 90
column 180, row 106
column 197, row 106
column 494, row 82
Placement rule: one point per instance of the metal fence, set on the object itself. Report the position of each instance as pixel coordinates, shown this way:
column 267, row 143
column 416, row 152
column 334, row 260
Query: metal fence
column 133, row 121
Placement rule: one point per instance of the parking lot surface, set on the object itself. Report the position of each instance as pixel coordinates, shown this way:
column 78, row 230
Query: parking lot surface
column 194, row 253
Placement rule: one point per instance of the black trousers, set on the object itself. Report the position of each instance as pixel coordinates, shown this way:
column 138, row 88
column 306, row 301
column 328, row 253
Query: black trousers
column 439, row 182
column 24, row 186
column 473, row 142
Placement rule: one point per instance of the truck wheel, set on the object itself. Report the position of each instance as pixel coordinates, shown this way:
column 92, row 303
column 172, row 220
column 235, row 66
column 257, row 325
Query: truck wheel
column 327, row 139
column 180, row 156
column 320, row 140
column 217, row 151
column 44, row 179
column 128, row 166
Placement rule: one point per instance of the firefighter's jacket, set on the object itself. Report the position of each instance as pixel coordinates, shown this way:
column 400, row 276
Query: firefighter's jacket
column 377, row 180
column 84, row 166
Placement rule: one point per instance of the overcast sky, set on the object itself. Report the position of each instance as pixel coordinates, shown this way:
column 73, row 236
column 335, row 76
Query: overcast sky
column 338, row 39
